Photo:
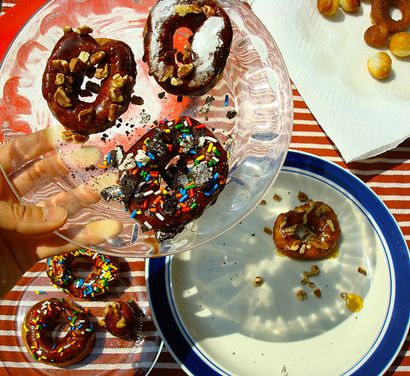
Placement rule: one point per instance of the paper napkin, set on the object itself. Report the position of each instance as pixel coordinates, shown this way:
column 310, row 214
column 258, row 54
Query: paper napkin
column 327, row 61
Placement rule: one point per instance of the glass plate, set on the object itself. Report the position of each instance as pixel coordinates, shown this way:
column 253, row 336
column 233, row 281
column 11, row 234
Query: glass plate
column 255, row 81
column 215, row 322
column 110, row 355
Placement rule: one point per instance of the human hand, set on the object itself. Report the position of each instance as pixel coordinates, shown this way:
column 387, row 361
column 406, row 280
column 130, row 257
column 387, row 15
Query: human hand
column 27, row 231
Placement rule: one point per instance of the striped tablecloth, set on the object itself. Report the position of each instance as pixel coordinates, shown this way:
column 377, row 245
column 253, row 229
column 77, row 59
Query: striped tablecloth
column 387, row 174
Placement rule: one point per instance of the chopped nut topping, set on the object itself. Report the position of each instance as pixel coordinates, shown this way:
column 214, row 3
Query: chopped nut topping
column 60, row 78
column 208, row 11
column 331, row 225
column 70, row 136
column 183, row 10
column 67, row 29
column 169, row 72
column 113, row 111
column 61, row 97
column 184, row 70
column 101, row 72
column 61, row 65
column 118, row 81
column 115, row 95
column 187, row 53
column 301, row 295
column 302, row 249
column 362, row 270
column 84, row 30
column 97, row 57
column 84, row 56
column 121, row 323
column 86, row 115
column 176, row 81
column 290, row 230
column 258, row 282
column 295, row 246
column 76, row 65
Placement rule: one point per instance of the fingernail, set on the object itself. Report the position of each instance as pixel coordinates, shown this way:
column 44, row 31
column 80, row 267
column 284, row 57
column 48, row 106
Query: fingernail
column 55, row 214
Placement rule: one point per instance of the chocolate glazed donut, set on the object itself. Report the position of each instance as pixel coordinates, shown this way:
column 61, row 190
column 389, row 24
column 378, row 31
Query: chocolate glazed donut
column 180, row 168
column 322, row 231
column 75, row 56
column 197, row 69
column 40, row 322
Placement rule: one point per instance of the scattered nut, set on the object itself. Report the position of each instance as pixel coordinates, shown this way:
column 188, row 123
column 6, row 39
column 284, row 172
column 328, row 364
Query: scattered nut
column 379, row 65
column 61, row 97
column 317, row 293
column 301, row 295
column 276, row 197
column 399, row 44
column 302, row 196
column 362, row 270
column 258, row 282
column 327, row 7
column 350, row 5
column 267, row 230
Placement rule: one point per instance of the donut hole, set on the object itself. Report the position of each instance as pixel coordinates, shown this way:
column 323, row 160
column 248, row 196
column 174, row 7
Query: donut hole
column 58, row 332
column 82, row 268
column 395, row 13
column 181, row 38
column 304, row 231
column 89, row 89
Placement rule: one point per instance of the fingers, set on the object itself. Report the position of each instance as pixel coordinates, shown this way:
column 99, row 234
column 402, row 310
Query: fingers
column 31, row 220
column 75, row 200
column 38, row 174
column 93, row 233
column 26, row 148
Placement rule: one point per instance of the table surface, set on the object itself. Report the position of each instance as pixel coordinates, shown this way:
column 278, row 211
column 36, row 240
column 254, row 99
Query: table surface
column 388, row 175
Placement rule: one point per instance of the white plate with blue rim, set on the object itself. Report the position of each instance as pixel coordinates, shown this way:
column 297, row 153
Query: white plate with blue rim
column 216, row 322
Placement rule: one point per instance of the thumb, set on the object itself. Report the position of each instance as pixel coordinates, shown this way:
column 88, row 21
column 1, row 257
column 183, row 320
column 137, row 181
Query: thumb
column 30, row 219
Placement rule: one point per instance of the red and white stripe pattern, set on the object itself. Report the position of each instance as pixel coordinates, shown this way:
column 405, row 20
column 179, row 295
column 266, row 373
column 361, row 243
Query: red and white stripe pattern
column 387, row 174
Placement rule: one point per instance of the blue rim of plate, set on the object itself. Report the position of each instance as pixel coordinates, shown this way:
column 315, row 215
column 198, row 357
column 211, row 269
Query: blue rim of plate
column 397, row 321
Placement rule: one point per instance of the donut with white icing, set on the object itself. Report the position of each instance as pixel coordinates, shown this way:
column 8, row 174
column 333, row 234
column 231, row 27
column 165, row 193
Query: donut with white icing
column 195, row 70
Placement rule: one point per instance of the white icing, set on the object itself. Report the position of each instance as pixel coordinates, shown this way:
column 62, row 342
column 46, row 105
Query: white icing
column 206, row 41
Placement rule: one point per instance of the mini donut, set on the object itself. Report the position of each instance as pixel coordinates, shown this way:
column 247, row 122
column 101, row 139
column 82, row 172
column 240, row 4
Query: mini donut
column 44, row 318
column 98, row 282
column 123, row 319
column 399, row 44
column 170, row 175
column 321, row 225
column 379, row 65
column 78, row 55
column 384, row 24
column 197, row 69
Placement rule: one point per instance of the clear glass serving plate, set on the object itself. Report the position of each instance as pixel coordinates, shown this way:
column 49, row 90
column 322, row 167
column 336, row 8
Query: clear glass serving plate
column 255, row 84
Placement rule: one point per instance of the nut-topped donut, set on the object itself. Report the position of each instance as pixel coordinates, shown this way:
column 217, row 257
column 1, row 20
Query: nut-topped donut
column 322, row 231
column 383, row 24
column 44, row 318
column 98, row 282
column 170, row 175
column 111, row 70
column 196, row 69
column 122, row 319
